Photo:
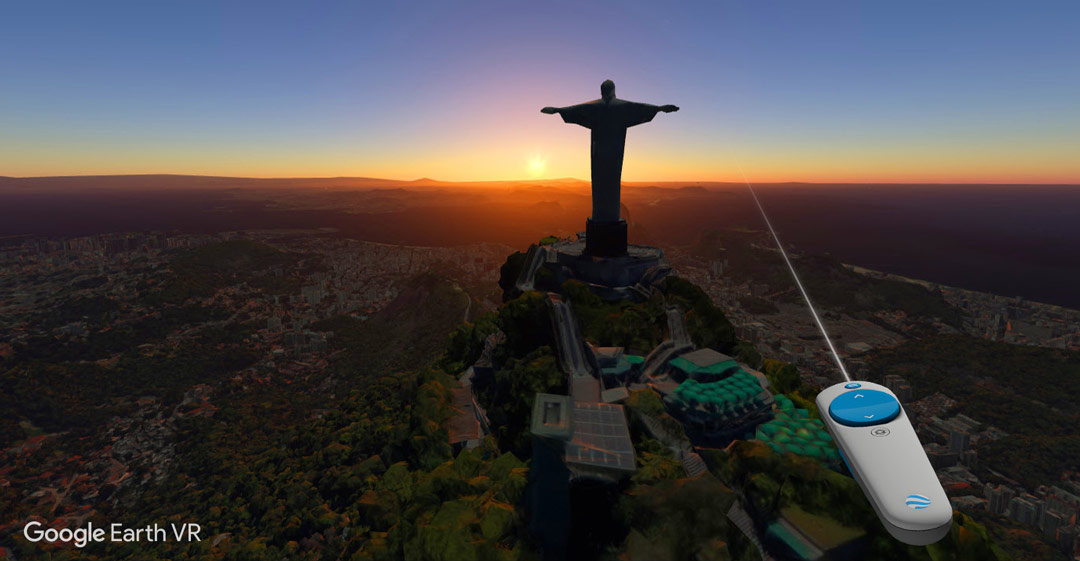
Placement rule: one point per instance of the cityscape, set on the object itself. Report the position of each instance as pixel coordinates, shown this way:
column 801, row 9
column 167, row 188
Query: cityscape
column 510, row 281
column 322, row 277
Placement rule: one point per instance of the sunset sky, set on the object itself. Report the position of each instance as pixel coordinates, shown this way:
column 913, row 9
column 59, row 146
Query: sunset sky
column 788, row 91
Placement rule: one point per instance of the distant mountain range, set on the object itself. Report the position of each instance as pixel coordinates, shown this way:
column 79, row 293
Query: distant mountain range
column 180, row 181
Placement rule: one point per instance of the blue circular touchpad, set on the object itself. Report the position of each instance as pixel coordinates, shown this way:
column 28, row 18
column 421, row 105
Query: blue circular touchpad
column 862, row 408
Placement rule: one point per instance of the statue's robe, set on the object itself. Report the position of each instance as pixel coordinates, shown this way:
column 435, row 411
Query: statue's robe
column 608, row 121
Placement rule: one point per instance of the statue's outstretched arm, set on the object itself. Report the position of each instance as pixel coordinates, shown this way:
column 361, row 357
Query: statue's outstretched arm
column 580, row 114
column 638, row 113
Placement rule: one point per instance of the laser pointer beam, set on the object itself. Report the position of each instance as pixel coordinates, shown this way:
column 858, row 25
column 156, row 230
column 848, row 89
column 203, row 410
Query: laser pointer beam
column 794, row 275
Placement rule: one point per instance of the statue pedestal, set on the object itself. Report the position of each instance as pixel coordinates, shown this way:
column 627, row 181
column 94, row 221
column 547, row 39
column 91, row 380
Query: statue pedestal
column 627, row 276
column 605, row 239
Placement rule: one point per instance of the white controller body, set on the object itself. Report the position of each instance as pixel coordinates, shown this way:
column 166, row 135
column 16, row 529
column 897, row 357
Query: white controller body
column 887, row 460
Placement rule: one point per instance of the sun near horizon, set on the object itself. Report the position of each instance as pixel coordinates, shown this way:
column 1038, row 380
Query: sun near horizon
column 536, row 167
column 787, row 93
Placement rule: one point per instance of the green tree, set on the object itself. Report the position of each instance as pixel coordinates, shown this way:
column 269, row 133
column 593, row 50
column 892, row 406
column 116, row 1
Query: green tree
column 526, row 321
column 509, row 397
column 508, row 275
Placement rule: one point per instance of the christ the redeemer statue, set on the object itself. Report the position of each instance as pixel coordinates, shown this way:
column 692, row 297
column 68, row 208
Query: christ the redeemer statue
column 608, row 118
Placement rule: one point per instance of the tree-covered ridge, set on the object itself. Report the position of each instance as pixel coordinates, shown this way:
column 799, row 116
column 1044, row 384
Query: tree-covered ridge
column 636, row 326
column 371, row 479
column 176, row 388
column 773, row 482
column 641, row 326
column 705, row 322
column 652, row 517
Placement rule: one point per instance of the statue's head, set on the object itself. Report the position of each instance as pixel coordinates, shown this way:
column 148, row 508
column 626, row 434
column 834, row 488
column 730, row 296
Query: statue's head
column 607, row 90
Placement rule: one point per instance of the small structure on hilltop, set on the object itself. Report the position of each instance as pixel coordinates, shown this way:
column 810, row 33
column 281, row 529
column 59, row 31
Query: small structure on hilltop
column 615, row 367
column 702, row 365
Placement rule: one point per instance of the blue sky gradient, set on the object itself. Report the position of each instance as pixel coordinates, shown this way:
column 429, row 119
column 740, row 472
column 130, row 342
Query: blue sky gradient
column 876, row 91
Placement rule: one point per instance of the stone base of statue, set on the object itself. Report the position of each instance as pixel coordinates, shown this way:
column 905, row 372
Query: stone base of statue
column 627, row 276
column 605, row 239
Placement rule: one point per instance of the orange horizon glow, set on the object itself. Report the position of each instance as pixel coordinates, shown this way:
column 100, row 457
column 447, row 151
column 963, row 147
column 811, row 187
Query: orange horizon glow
column 626, row 182
column 540, row 173
column 541, row 148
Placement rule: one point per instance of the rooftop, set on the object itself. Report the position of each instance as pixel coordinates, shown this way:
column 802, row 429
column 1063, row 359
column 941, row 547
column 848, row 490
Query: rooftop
column 601, row 438
column 551, row 416
column 704, row 358
column 607, row 356
column 704, row 362
column 723, row 397
column 463, row 425
column 614, row 395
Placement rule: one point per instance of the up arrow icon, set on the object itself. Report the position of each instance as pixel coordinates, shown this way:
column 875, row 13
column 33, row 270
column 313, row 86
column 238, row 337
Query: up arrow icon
column 857, row 396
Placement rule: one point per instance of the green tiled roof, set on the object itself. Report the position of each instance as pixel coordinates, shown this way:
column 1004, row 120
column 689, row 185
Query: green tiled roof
column 734, row 391
column 692, row 369
column 792, row 431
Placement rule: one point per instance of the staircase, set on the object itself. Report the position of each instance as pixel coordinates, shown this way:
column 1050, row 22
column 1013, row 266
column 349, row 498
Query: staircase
column 533, row 259
column 582, row 384
column 693, row 464
column 743, row 522
column 677, row 327
column 661, row 354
